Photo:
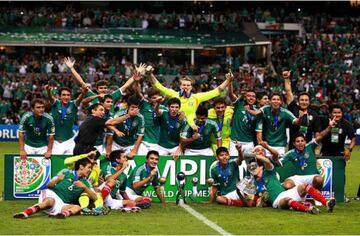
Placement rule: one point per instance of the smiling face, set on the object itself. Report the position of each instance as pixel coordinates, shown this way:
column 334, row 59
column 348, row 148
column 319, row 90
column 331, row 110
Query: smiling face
column 174, row 109
column 85, row 171
column 304, row 102
column 102, row 89
column 220, row 109
column 152, row 160
column 200, row 120
column 65, row 97
column 98, row 111
column 337, row 114
column 275, row 102
column 108, row 103
column 263, row 101
column 250, row 98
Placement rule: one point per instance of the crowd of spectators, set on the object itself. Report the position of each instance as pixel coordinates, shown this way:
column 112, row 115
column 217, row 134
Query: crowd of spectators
column 219, row 21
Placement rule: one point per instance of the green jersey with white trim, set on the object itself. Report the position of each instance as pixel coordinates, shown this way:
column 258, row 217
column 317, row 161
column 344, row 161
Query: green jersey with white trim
column 152, row 124
column 37, row 129
column 131, row 127
column 170, row 130
column 243, row 127
column 225, row 179
column 270, row 183
column 308, row 156
column 210, row 127
column 65, row 188
column 139, row 173
column 274, row 125
column 64, row 119
column 108, row 170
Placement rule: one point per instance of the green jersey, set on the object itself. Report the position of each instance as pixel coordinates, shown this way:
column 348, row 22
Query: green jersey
column 225, row 179
column 108, row 170
column 94, row 101
column 270, row 183
column 64, row 119
column 37, row 129
column 274, row 125
column 65, row 188
column 139, row 173
column 152, row 125
column 305, row 163
column 205, row 131
column 243, row 127
column 131, row 127
column 170, row 130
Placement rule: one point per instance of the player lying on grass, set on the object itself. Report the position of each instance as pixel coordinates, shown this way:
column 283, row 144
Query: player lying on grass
column 225, row 173
column 266, row 180
column 115, row 183
column 63, row 191
column 143, row 176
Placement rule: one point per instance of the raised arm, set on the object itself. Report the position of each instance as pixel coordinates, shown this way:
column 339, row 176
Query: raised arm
column 163, row 90
column 70, row 64
column 81, row 96
column 232, row 96
column 50, row 96
column 287, row 84
column 325, row 132
column 228, row 78
column 267, row 163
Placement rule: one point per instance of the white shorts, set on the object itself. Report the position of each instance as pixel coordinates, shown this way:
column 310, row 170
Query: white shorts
column 131, row 194
column 202, row 152
column 291, row 193
column 280, row 150
column 232, row 195
column 145, row 147
column 59, row 204
column 166, row 151
column 246, row 147
column 302, row 179
column 127, row 149
column 64, row 148
column 35, row 150
column 114, row 204
column 101, row 148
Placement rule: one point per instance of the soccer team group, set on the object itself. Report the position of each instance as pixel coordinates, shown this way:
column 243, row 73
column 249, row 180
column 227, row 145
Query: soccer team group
column 168, row 122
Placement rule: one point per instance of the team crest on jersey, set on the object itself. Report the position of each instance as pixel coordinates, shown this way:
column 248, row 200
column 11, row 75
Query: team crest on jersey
column 266, row 180
column 190, row 104
column 307, row 155
column 71, row 188
column 177, row 125
column 311, row 117
column 135, row 123
column 206, row 132
column 340, row 130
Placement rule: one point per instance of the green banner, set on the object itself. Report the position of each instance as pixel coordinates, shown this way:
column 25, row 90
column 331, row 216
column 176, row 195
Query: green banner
column 192, row 166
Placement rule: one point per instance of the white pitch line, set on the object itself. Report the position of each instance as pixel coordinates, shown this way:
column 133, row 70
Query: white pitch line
column 205, row 220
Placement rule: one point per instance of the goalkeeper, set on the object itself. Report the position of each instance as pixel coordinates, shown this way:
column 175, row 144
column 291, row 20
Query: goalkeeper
column 189, row 101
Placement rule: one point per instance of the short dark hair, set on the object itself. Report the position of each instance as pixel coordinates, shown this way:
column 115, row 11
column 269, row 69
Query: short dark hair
column 133, row 100
column 298, row 134
column 276, row 94
column 37, row 100
column 219, row 100
column 101, row 83
column 107, row 96
column 81, row 162
column 250, row 91
column 152, row 152
column 302, row 94
column 260, row 95
column 64, row 89
column 174, row 101
column 336, row 106
column 115, row 155
column 152, row 91
column 94, row 107
column 220, row 150
column 202, row 111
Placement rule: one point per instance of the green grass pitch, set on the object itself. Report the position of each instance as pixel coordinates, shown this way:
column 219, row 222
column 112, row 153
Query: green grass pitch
column 171, row 219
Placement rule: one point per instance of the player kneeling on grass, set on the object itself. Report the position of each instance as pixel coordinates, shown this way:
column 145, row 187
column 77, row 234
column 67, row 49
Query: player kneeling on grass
column 84, row 200
column 141, row 177
column 116, row 179
column 266, row 179
column 63, row 192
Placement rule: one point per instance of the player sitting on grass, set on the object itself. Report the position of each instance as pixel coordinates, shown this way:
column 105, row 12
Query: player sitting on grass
column 116, row 179
column 141, row 177
column 63, row 191
column 266, row 179
column 93, row 179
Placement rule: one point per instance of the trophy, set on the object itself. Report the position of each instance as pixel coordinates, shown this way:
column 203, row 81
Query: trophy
column 180, row 196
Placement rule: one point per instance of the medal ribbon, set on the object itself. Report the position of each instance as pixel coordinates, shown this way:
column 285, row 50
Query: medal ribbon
column 224, row 176
column 183, row 94
column 170, row 125
column 220, row 125
column 76, row 177
column 38, row 123
column 64, row 111
column 260, row 184
column 276, row 121
column 301, row 158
